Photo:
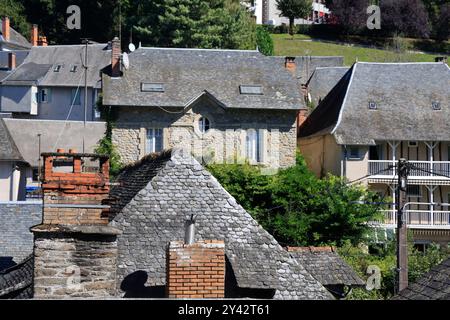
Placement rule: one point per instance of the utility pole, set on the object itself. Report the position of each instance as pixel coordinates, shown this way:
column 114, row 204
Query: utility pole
column 402, row 233
column 85, row 66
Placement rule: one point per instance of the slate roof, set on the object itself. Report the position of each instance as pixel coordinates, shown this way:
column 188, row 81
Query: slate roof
column 15, row 38
column 187, row 73
column 17, row 282
column 325, row 264
column 162, row 190
column 54, row 134
column 8, row 148
column 404, row 94
column 323, row 80
column 434, row 285
column 41, row 62
column 27, row 74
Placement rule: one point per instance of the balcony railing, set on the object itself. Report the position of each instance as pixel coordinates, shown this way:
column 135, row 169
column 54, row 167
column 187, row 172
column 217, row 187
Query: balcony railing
column 418, row 219
column 426, row 169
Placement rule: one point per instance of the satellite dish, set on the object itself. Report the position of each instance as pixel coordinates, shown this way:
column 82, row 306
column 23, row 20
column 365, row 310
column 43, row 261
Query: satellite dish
column 131, row 47
column 125, row 60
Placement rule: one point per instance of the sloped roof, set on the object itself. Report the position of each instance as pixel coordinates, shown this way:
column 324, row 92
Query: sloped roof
column 434, row 285
column 8, row 148
column 404, row 94
column 325, row 264
column 323, row 80
column 66, row 56
column 17, row 282
column 15, row 38
column 54, row 134
column 186, row 73
column 27, row 74
column 161, row 191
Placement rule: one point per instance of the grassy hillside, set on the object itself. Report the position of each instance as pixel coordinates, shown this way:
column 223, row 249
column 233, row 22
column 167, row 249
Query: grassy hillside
column 302, row 45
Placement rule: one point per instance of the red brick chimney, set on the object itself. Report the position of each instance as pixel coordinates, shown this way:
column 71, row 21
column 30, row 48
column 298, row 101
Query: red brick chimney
column 11, row 60
column 115, row 57
column 74, row 194
column 290, row 65
column 34, row 35
column 6, row 31
column 196, row 270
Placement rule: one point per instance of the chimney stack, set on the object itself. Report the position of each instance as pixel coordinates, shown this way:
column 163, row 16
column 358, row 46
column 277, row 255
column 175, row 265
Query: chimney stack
column 34, row 35
column 6, row 29
column 11, row 60
column 290, row 65
column 115, row 57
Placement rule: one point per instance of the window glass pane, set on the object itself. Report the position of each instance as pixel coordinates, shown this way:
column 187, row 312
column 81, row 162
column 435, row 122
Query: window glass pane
column 154, row 140
column 253, row 146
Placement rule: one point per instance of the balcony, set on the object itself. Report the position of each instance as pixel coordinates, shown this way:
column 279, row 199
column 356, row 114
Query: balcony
column 425, row 172
column 417, row 219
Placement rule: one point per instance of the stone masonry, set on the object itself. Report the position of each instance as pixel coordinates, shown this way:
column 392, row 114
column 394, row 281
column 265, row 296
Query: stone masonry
column 196, row 270
column 75, row 251
column 223, row 142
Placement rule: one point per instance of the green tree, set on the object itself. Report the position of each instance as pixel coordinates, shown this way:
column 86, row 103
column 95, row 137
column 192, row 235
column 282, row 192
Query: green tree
column 15, row 11
column 294, row 9
column 297, row 207
column 264, row 41
column 191, row 23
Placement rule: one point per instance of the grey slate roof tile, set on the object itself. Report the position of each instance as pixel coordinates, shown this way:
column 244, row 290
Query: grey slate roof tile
column 8, row 148
column 434, row 285
column 15, row 38
column 186, row 73
column 323, row 80
column 403, row 92
column 17, row 282
column 162, row 191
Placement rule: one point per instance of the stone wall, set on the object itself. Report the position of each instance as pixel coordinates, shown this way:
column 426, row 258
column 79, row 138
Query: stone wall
column 16, row 240
column 196, row 270
column 225, row 141
column 70, row 265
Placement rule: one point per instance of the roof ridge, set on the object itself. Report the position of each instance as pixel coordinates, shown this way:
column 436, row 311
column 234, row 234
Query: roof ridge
column 199, row 49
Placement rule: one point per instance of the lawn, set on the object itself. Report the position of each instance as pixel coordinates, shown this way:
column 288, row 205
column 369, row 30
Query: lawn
column 286, row 46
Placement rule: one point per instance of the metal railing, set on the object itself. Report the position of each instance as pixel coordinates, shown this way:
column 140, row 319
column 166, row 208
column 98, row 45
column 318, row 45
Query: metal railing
column 422, row 168
column 419, row 219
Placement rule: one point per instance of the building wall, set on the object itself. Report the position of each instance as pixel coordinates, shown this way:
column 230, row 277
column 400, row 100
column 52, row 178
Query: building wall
column 225, row 141
column 12, row 181
column 17, row 99
column 16, row 240
column 59, row 105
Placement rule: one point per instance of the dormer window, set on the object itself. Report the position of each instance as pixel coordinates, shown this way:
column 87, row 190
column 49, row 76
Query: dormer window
column 73, row 68
column 152, row 87
column 251, row 89
column 436, row 105
column 373, row 105
column 57, row 68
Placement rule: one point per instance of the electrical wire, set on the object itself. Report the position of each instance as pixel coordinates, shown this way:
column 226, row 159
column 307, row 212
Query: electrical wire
column 371, row 174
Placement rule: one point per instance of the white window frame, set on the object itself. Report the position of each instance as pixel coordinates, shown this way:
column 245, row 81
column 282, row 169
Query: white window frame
column 151, row 143
column 254, row 146
column 202, row 126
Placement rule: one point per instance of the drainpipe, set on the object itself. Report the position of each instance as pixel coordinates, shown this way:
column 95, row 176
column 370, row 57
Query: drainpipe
column 189, row 231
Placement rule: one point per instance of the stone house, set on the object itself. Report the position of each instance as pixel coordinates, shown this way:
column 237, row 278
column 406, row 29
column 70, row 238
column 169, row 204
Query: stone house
column 223, row 105
column 376, row 114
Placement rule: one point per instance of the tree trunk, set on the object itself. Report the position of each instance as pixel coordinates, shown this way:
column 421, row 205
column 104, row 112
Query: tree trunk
column 291, row 26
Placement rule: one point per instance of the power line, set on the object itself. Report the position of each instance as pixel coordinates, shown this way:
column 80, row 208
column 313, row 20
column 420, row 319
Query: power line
column 372, row 174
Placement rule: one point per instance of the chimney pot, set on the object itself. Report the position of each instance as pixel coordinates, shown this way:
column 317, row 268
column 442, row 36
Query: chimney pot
column 60, row 150
column 11, row 60
column 72, row 150
column 6, row 28
column 42, row 41
column 34, row 35
column 115, row 57
column 290, row 65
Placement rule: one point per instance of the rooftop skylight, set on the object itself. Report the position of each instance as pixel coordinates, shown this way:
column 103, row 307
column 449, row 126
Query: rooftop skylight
column 152, row 87
column 251, row 89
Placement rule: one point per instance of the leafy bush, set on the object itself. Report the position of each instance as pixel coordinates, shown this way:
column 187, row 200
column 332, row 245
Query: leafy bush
column 298, row 208
column 264, row 41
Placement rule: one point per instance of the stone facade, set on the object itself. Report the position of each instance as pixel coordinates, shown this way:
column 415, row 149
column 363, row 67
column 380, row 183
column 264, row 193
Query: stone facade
column 225, row 141
column 196, row 270
column 74, row 265
column 16, row 240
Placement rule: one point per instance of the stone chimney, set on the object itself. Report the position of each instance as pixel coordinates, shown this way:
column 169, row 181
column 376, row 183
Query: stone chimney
column 6, row 31
column 11, row 60
column 290, row 65
column 115, row 57
column 302, row 115
column 196, row 270
column 34, row 35
column 42, row 41
column 75, row 250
